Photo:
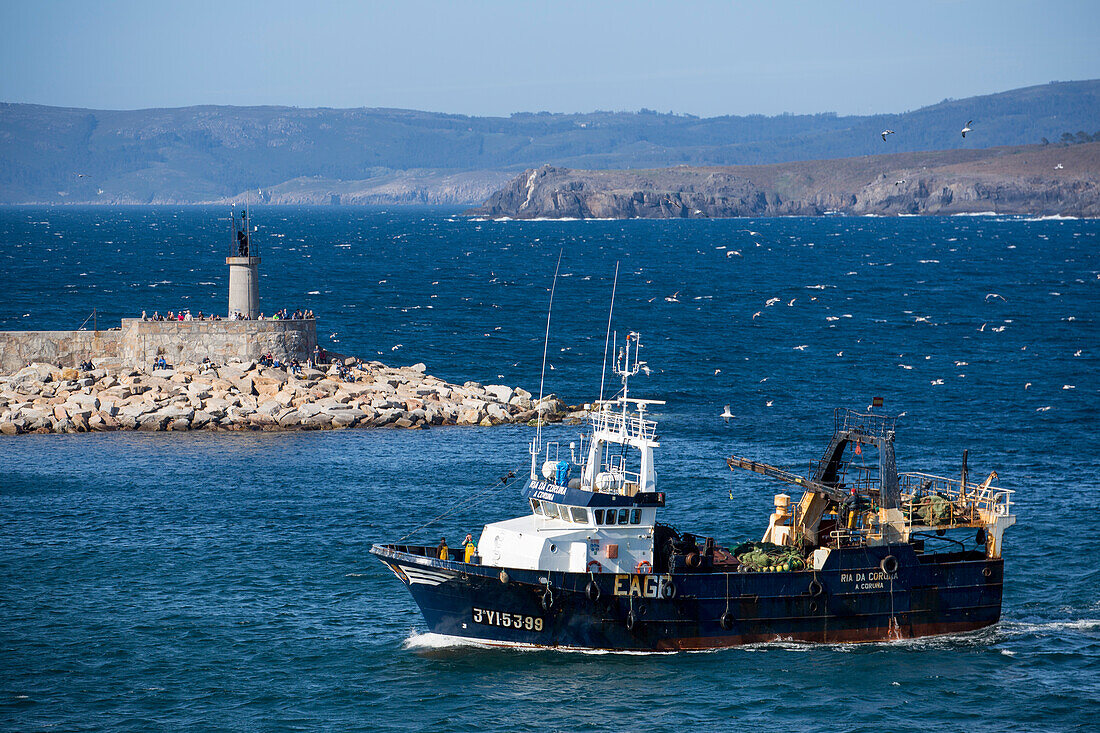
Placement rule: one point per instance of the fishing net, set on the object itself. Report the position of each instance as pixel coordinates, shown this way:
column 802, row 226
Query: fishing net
column 931, row 510
column 768, row 557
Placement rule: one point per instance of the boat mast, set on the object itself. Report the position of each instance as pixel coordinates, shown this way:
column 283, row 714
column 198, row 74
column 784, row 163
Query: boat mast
column 536, row 446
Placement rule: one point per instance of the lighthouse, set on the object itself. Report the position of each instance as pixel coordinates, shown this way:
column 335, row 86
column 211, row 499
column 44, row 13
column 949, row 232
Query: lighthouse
column 244, row 263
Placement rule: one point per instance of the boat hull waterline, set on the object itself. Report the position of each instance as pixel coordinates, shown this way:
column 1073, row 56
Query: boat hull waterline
column 853, row 600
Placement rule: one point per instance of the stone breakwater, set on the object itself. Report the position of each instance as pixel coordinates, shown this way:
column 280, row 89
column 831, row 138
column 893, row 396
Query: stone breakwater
column 244, row 395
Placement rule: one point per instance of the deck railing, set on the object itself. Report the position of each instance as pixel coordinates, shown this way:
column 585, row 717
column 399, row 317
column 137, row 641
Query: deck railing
column 626, row 426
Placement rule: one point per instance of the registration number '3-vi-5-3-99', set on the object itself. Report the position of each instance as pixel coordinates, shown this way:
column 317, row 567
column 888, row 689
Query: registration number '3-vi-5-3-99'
column 507, row 620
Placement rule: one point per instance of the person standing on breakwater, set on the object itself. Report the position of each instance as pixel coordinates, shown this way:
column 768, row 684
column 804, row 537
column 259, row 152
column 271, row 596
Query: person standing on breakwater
column 242, row 236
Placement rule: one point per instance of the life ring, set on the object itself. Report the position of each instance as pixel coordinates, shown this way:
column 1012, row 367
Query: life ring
column 889, row 565
column 631, row 621
column 726, row 620
column 694, row 560
column 668, row 589
column 594, row 566
column 547, row 600
column 816, row 588
column 644, row 568
column 592, row 591
column 987, row 571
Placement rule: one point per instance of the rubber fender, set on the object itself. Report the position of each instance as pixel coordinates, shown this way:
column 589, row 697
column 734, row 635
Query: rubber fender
column 547, row 601
column 726, row 620
column 694, row 560
column 816, row 589
column 889, row 565
column 668, row 590
column 631, row 621
column 592, row 591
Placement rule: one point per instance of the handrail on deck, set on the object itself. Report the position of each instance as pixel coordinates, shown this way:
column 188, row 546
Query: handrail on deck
column 874, row 425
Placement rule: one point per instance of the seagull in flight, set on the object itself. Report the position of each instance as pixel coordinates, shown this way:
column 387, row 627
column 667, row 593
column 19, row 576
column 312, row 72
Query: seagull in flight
column 885, row 133
column 726, row 414
column 995, row 295
column 967, row 128
column 674, row 298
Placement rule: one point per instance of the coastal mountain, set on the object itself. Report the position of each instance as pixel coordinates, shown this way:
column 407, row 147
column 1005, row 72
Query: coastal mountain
column 1034, row 179
column 216, row 153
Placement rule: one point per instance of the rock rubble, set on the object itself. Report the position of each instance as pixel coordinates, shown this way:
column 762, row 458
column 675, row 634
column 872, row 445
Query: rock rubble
column 42, row 398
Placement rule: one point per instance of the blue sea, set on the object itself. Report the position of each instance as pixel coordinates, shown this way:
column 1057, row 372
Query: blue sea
column 223, row 582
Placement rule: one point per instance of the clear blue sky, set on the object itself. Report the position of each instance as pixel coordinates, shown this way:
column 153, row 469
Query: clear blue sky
column 494, row 58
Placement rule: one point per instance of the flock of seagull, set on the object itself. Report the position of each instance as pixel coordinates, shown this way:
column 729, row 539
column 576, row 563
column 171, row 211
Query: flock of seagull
column 966, row 128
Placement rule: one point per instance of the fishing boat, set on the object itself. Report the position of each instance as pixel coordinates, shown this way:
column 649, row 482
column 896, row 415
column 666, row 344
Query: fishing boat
column 864, row 554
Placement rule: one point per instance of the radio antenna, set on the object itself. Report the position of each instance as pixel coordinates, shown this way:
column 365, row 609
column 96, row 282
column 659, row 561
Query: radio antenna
column 607, row 338
column 542, row 379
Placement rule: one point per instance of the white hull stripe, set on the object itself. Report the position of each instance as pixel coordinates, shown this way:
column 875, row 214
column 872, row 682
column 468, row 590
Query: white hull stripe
column 425, row 576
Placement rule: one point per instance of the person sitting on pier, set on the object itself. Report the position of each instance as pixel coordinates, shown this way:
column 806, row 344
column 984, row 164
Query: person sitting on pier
column 444, row 551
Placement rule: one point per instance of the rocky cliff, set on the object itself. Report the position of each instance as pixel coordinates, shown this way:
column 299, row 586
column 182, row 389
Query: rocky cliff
column 1028, row 180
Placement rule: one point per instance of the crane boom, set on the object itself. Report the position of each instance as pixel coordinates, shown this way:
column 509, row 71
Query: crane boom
column 765, row 469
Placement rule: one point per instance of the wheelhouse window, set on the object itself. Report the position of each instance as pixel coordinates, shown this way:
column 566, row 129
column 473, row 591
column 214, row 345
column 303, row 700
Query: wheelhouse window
column 610, row 516
column 624, row 516
column 550, row 509
column 580, row 514
column 535, row 506
column 599, row 515
column 635, row 516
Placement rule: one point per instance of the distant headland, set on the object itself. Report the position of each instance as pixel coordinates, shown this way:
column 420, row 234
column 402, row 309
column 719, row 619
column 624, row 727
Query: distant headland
column 1033, row 180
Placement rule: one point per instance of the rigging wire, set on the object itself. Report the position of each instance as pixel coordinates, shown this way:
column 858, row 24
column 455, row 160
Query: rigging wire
column 607, row 338
column 503, row 482
column 545, row 345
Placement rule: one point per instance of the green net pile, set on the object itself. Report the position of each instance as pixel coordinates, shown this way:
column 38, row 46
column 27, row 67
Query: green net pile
column 765, row 557
column 931, row 510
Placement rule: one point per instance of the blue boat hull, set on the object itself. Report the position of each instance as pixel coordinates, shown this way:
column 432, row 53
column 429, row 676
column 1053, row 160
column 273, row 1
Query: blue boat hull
column 851, row 599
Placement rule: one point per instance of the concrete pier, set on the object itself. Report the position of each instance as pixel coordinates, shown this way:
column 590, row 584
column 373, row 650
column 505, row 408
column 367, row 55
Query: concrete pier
column 140, row 342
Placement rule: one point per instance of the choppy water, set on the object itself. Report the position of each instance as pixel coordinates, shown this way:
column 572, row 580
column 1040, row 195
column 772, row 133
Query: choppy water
column 166, row 582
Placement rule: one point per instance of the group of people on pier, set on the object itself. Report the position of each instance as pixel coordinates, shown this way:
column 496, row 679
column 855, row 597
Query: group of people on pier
column 185, row 315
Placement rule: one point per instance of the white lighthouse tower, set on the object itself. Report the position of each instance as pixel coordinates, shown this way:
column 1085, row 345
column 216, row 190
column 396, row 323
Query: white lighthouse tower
column 244, row 262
